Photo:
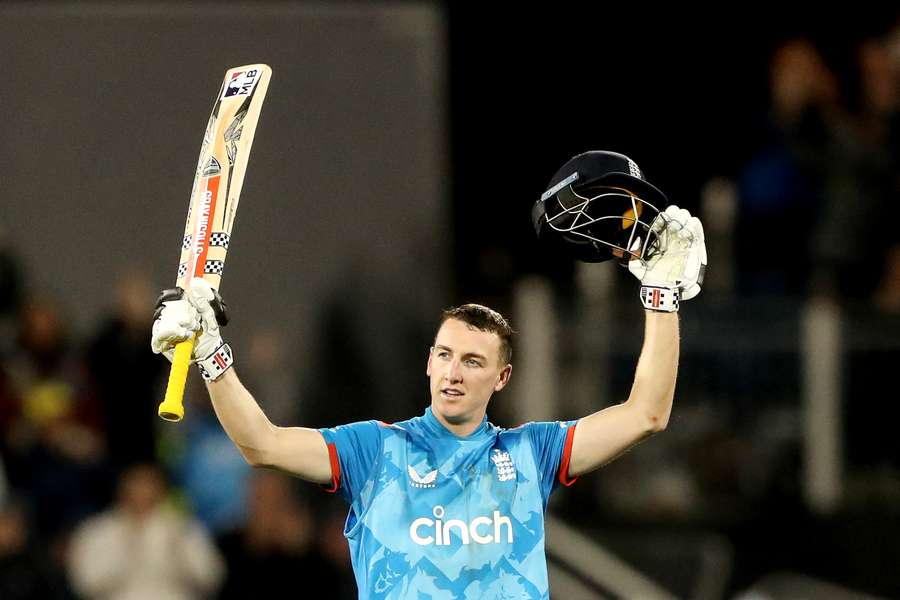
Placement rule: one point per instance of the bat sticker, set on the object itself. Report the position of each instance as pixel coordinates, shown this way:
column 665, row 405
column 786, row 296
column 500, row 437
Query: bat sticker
column 212, row 168
column 214, row 267
column 219, row 238
column 241, row 83
column 233, row 134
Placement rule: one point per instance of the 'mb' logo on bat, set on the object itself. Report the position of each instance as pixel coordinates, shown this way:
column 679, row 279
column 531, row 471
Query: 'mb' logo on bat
column 241, row 83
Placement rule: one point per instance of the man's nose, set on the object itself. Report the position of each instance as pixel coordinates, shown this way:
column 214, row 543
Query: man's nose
column 454, row 372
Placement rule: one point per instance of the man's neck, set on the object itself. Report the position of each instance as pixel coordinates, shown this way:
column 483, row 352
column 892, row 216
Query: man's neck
column 463, row 429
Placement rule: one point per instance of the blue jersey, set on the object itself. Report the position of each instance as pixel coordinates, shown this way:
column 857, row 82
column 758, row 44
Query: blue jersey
column 434, row 515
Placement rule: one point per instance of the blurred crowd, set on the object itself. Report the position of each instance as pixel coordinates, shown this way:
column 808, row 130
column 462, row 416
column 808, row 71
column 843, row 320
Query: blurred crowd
column 806, row 218
column 816, row 200
column 100, row 499
column 818, row 190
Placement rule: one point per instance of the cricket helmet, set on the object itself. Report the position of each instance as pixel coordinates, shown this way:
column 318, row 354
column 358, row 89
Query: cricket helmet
column 599, row 206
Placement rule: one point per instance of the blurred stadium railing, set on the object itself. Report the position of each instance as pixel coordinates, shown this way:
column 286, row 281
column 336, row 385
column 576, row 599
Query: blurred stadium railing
column 772, row 425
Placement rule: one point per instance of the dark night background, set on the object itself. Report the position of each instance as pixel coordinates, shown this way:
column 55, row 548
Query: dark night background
column 397, row 159
column 683, row 91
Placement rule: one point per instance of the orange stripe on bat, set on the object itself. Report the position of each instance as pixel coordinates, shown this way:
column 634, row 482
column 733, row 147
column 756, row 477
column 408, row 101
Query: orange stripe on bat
column 203, row 225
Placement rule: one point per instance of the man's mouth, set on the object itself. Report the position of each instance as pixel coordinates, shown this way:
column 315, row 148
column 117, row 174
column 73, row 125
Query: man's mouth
column 452, row 393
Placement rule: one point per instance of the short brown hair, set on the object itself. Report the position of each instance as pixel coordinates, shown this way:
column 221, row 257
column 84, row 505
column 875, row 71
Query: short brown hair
column 485, row 319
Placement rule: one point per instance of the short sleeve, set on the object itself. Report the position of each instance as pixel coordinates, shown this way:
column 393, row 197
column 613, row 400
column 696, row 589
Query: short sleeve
column 552, row 446
column 354, row 450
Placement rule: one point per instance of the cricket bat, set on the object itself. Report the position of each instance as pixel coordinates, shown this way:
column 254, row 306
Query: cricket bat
column 214, row 200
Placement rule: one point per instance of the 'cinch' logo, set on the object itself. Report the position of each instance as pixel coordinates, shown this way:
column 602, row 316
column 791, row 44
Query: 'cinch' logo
column 481, row 530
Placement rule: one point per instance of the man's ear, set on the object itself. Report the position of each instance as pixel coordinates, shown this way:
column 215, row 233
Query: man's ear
column 505, row 374
column 428, row 364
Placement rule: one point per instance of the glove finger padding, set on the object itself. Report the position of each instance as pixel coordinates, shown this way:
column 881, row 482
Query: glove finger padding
column 669, row 227
column 638, row 268
column 208, row 322
column 696, row 229
column 676, row 218
column 203, row 294
column 204, row 299
column 681, row 260
column 176, row 321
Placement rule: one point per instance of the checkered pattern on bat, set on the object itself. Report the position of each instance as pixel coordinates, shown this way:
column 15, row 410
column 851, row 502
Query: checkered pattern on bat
column 219, row 238
column 214, row 267
column 182, row 269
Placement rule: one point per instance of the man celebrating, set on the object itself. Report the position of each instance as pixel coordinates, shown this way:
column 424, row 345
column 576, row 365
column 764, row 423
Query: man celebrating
column 446, row 504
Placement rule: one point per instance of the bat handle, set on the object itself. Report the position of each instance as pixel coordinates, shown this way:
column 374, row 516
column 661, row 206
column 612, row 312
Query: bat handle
column 172, row 407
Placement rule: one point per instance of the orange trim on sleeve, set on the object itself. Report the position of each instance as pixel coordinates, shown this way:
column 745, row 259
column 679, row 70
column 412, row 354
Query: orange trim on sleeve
column 566, row 456
column 335, row 470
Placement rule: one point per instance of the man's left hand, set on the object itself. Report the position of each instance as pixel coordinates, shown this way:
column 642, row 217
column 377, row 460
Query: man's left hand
column 681, row 260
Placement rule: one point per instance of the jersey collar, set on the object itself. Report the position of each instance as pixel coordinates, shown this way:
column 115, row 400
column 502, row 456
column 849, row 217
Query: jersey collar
column 434, row 426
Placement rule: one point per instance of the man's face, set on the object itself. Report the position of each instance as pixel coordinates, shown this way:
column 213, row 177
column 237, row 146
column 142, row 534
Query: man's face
column 465, row 369
column 141, row 490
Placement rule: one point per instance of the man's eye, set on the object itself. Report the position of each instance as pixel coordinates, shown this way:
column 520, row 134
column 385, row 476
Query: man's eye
column 443, row 354
column 473, row 363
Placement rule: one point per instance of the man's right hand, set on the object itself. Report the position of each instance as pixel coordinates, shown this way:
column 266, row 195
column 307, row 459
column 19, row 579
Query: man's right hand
column 180, row 315
column 174, row 320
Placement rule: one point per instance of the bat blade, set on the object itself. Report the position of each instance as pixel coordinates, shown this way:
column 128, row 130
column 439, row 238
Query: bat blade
column 215, row 193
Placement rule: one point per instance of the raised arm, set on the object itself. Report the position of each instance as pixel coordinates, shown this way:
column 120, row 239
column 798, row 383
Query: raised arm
column 673, row 275
column 299, row 451
column 604, row 435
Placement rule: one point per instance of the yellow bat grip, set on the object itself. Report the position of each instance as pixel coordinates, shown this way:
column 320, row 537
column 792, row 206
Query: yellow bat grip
column 172, row 407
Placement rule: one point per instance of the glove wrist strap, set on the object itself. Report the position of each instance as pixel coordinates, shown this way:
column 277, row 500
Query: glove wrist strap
column 660, row 298
column 213, row 366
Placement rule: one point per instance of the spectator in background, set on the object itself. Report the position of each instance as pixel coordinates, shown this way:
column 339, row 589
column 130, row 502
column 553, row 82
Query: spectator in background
column 781, row 187
column 55, row 451
column 880, row 71
column 855, row 248
column 858, row 251
column 276, row 546
column 126, row 376
column 141, row 548
column 25, row 572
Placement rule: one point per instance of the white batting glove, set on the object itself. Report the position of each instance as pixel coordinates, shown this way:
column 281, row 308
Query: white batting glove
column 212, row 356
column 175, row 321
column 676, row 272
column 179, row 316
